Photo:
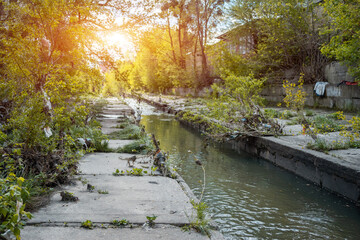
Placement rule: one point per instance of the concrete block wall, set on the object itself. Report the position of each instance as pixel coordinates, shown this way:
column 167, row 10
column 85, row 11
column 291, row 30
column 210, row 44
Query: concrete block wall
column 335, row 73
column 338, row 97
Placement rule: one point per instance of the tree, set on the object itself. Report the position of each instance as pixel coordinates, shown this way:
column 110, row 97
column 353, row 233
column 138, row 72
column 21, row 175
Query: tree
column 286, row 35
column 344, row 31
column 206, row 14
column 154, row 67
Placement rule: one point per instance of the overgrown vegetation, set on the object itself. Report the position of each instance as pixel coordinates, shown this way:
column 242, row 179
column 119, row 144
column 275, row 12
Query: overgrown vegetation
column 200, row 222
column 143, row 145
column 234, row 109
column 47, row 82
column 130, row 131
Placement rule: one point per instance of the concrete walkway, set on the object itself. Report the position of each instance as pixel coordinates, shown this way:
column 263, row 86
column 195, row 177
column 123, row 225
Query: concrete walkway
column 127, row 197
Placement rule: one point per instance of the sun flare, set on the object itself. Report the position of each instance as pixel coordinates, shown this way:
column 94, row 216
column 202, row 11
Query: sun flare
column 119, row 40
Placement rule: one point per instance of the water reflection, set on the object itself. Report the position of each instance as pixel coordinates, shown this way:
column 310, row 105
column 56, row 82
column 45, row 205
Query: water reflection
column 251, row 198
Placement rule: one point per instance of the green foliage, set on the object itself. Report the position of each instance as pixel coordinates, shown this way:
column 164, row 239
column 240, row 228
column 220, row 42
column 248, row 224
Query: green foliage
column 224, row 60
column 103, row 191
column 295, row 96
column 286, row 114
column 344, row 31
column 118, row 173
column 153, row 170
column 47, row 65
column 353, row 135
column 309, row 113
column 134, row 172
column 143, row 145
column 337, row 115
column 129, row 132
column 151, row 220
column 88, row 224
column 201, row 221
column 121, row 223
column 12, row 207
column 324, row 146
column 153, row 69
column 117, row 80
column 238, row 94
column 279, row 35
column 271, row 113
column 326, row 124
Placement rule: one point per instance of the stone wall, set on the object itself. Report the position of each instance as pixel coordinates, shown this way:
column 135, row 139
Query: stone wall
column 339, row 97
column 335, row 73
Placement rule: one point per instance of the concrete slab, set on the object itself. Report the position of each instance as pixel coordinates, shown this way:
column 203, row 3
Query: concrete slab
column 110, row 123
column 107, row 130
column 107, row 163
column 349, row 155
column 116, row 111
column 112, row 116
column 114, row 144
column 66, row 233
column 129, row 197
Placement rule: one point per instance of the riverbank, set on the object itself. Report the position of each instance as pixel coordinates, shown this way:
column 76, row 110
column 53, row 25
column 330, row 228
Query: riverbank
column 337, row 171
column 116, row 199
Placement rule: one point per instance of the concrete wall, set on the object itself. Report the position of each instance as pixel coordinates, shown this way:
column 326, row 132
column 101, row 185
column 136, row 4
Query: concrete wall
column 336, row 73
column 339, row 97
column 186, row 92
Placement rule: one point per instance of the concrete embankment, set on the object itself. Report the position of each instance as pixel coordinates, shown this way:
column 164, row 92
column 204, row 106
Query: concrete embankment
column 118, row 205
column 338, row 171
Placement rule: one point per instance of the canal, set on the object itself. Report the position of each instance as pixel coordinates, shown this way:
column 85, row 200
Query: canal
column 249, row 198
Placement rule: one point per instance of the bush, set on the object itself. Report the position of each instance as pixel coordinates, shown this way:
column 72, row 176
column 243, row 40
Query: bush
column 12, row 207
column 271, row 113
column 287, row 114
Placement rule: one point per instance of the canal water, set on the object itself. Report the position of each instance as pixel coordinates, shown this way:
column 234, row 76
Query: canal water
column 249, row 198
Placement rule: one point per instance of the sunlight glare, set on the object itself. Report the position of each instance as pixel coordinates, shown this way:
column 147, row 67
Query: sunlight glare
column 117, row 39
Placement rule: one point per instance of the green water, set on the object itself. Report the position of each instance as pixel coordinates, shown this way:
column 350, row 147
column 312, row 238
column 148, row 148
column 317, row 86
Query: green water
column 249, row 197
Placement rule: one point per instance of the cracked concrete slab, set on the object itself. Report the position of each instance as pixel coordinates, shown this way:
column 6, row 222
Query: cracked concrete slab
column 114, row 144
column 65, row 233
column 107, row 163
column 128, row 197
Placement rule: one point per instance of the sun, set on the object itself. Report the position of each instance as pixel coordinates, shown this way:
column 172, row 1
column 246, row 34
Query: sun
column 119, row 40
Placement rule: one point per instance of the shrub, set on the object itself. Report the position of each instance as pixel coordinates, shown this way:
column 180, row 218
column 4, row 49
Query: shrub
column 271, row 113
column 12, row 207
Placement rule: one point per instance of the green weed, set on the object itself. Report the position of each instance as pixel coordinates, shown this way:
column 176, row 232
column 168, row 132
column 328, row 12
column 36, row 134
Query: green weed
column 326, row 124
column 271, row 113
column 87, row 224
column 103, row 191
column 151, row 220
column 121, row 223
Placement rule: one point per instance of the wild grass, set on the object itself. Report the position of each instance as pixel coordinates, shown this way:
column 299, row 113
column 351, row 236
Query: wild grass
column 326, row 124
column 287, row 114
column 271, row 113
column 129, row 132
column 324, row 146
